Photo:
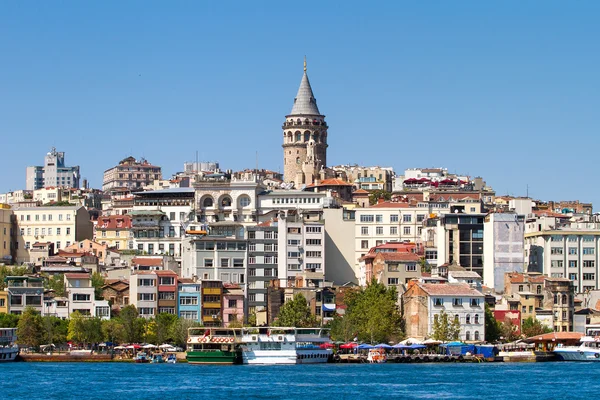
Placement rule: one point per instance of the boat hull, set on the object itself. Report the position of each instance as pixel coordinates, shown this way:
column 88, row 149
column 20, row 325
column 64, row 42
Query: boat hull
column 283, row 357
column 8, row 353
column 213, row 357
column 577, row 355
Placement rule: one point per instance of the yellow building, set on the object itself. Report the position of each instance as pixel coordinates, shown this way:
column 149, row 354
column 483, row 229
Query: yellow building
column 113, row 231
column 59, row 226
column 5, row 232
column 3, row 302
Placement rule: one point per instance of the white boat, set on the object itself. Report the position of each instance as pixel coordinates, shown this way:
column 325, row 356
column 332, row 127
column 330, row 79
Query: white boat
column 278, row 345
column 8, row 346
column 588, row 350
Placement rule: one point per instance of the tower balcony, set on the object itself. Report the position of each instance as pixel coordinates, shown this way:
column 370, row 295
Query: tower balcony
column 305, row 126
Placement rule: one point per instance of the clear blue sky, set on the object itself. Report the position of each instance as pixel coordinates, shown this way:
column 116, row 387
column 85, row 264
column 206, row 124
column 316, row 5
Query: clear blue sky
column 506, row 90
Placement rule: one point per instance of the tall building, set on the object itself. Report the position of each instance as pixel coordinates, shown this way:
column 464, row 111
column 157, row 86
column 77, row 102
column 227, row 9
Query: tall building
column 53, row 173
column 304, row 138
column 131, row 173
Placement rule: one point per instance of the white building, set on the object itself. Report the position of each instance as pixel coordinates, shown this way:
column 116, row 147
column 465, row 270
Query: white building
column 52, row 173
column 143, row 293
column 503, row 247
column 80, row 296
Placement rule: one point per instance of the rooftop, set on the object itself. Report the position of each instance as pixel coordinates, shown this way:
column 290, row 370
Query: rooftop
column 450, row 289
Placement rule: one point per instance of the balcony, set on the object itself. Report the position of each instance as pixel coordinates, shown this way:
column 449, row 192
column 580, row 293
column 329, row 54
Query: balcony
column 216, row 291
column 211, row 304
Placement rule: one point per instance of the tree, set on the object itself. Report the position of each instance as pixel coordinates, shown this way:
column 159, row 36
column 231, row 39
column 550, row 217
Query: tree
column 57, row 283
column 11, row 271
column 180, row 331
column 509, row 330
column 112, row 329
column 8, row 320
column 372, row 314
column 425, row 267
column 533, row 327
column 76, row 328
column 165, row 323
column 295, row 312
column 235, row 323
column 445, row 328
column 375, row 195
column 492, row 327
column 133, row 326
column 342, row 328
column 55, row 330
column 97, row 283
column 84, row 330
column 29, row 328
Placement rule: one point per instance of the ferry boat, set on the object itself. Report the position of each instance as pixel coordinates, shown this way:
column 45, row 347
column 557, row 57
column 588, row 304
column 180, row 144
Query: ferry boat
column 8, row 346
column 279, row 345
column 588, row 350
column 214, row 346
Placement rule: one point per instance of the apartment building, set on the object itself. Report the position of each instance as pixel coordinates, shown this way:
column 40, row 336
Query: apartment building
column 6, row 233
column 143, row 293
column 263, row 263
column 81, row 298
column 114, row 231
column 189, row 299
column 233, row 304
column 24, row 291
column 58, row 225
column 167, row 291
column 54, row 172
column 131, row 173
column 212, row 302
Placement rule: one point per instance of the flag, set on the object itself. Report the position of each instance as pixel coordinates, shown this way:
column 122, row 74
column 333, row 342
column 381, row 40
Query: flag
column 206, row 333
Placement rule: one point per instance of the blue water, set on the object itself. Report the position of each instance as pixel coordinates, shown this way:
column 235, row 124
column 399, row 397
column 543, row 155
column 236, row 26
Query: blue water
column 331, row 381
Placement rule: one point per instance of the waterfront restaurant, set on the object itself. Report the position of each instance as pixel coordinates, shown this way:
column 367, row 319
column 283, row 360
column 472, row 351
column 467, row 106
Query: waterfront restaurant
column 548, row 341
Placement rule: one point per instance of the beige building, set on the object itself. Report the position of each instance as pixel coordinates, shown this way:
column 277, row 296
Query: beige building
column 131, row 173
column 61, row 226
column 6, row 243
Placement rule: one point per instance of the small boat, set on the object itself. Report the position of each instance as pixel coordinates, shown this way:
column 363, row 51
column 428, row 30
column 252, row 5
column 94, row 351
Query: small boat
column 588, row 350
column 377, row 356
column 8, row 348
column 171, row 359
column 142, row 358
column 157, row 359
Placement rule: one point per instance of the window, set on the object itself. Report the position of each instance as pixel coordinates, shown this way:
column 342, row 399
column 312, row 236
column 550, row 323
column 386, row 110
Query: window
column 166, row 280
column 589, row 276
column 474, row 302
column 244, row 201
column 556, row 263
column 293, row 254
column 588, row 238
column 208, row 263
column 313, row 242
column 407, row 218
column 313, row 266
column 476, row 334
column 293, row 267
column 81, row 297
column 68, row 217
column 456, row 302
column 146, row 282
column 573, row 277
column 394, row 218
column 393, row 281
column 556, row 250
column 420, row 217
column 364, row 230
column 57, row 231
column 232, row 304
column 238, row 263
column 379, row 218
column 476, row 321
column 379, row 230
column 251, row 260
column 438, row 301
column 393, row 230
column 411, row 267
column 556, row 238
column 313, row 254
column 313, row 229
column 268, row 272
column 589, row 263
column 224, row 262
column 366, row 218
column 364, row 244
column 294, row 242
column 588, row 250
column 467, row 334
column 392, row 267
column 146, row 311
column 572, row 250
column 407, row 230
column 146, row 296
column 572, row 238
column 572, row 264
column 520, row 288
column 190, row 315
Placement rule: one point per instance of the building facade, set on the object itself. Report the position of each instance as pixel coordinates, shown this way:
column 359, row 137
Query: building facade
column 131, row 173
column 54, row 172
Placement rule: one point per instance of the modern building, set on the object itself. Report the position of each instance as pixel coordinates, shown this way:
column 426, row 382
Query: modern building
column 80, row 296
column 58, row 225
column 212, row 302
column 54, row 172
column 503, row 247
column 423, row 303
column 131, row 173
column 263, row 263
column 143, row 292
column 24, row 291
column 189, row 299
column 167, row 292
column 339, row 245
column 304, row 138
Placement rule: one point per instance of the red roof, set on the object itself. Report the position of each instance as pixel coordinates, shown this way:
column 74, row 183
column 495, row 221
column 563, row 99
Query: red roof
column 556, row 336
column 360, row 191
column 150, row 262
column 114, row 222
column 165, row 272
column 330, row 182
column 76, row 275
column 397, row 256
column 449, row 289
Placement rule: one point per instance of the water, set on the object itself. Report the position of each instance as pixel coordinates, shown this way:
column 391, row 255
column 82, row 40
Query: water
column 331, row 381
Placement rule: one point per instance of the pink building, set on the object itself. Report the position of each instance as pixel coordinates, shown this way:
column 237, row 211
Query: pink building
column 233, row 304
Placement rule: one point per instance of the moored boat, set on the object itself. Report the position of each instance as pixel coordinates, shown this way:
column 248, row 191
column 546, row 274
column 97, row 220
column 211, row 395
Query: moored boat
column 588, row 350
column 285, row 345
column 142, row 358
column 214, row 346
column 8, row 347
column 157, row 359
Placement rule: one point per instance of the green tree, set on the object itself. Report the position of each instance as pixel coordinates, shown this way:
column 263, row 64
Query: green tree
column 425, row 267
column 235, row 323
column 342, row 328
column 445, row 328
column 492, row 327
column 509, row 330
column 76, row 330
column 97, row 283
column 29, row 328
column 11, row 271
column 375, row 195
column 57, row 283
column 164, row 327
column 55, row 330
column 8, row 320
column 295, row 312
column 180, row 331
column 133, row 326
column 373, row 314
column 112, row 329
column 533, row 327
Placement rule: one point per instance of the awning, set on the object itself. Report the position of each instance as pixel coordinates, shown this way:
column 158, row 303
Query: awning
column 328, row 307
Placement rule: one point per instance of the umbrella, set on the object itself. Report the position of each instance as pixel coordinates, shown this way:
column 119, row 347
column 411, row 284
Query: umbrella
column 453, row 344
column 134, row 346
column 165, row 346
column 400, row 346
column 348, row 345
column 149, row 346
column 417, row 346
column 365, row 346
column 411, row 341
column 383, row 346
column 432, row 341
column 120, row 348
column 326, row 345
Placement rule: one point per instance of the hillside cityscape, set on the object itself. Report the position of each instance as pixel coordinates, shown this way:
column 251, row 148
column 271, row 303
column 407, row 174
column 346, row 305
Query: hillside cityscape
column 216, row 247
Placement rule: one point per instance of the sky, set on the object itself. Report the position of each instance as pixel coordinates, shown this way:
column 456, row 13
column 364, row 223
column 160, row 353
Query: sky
column 508, row 91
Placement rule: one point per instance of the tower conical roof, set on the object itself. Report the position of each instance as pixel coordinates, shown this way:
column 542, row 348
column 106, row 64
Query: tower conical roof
column 305, row 102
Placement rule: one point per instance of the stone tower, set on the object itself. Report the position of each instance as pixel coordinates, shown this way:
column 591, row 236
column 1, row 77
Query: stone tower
column 304, row 138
